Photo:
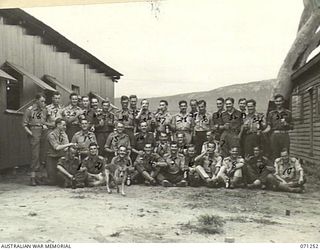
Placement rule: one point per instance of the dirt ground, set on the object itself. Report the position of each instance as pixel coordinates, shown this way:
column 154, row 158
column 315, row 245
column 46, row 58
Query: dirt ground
column 154, row 214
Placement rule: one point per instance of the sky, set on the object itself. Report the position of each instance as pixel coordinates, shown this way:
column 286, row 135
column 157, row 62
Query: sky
column 188, row 46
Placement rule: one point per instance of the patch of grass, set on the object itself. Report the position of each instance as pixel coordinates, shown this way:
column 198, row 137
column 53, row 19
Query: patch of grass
column 206, row 224
column 265, row 221
column 243, row 219
column 116, row 234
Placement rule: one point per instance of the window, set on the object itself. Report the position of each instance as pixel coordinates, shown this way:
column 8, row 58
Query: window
column 13, row 90
column 75, row 89
column 297, row 105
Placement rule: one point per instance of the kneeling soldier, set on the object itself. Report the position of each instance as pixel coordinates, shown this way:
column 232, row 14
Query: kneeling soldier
column 172, row 174
column 257, row 169
column 96, row 167
column 208, row 165
column 148, row 165
column 70, row 172
column 231, row 171
column 288, row 173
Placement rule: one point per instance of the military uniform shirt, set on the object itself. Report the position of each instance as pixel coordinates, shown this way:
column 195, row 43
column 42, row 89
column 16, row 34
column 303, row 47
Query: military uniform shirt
column 53, row 113
column 107, row 119
column 147, row 117
column 162, row 148
column 144, row 162
column 114, row 141
column 122, row 163
column 55, row 139
column 126, row 117
column 94, row 164
column 255, row 122
column 71, row 112
column 163, row 120
column 287, row 171
column 175, row 163
column 34, row 116
column 211, row 164
column 235, row 119
column 140, row 140
column 203, row 122
column 230, row 164
column 183, row 122
column 83, row 140
column 275, row 118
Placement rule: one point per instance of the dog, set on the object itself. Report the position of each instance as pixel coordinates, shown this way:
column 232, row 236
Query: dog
column 118, row 175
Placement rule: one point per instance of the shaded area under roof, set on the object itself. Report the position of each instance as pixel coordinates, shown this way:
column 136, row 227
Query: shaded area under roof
column 32, row 77
column 6, row 76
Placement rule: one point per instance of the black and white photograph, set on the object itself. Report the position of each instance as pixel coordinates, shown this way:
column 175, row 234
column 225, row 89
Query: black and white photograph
column 160, row 121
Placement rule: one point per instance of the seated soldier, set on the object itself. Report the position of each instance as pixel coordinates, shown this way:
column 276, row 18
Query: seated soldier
column 208, row 165
column 210, row 139
column 149, row 164
column 162, row 146
column 70, row 171
column 191, row 174
column 142, row 138
column 173, row 173
column 181, row 142
column 231, row 171
column 256, row 169
column 288, row 174
column 83, row 138
column 96, row 167
column 119, row 169
column 115, row 140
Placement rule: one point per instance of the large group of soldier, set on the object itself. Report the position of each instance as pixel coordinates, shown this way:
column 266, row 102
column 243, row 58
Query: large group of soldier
column 85, row 142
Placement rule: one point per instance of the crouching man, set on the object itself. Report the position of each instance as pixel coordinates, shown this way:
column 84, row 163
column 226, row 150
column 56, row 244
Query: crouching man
column 231, row 170
column 257, row 169
column 120, row 170
column 148, row 165
column 289, row 176
column 96, row 167
column 70, row 171
column 208, row 165
column 173, row 173
column 194, row 180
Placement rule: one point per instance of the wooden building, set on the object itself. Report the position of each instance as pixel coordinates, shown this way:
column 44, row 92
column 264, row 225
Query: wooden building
column 305, row 106
column 34, row 58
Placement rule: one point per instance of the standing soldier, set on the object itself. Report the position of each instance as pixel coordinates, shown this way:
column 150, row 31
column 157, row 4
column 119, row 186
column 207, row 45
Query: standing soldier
column 183, row 122
column 105, row 125
column 173, row 173
column 54, row 111
column 231, row 171
column 242, row 103
column 133, row 105
column 148, row 165
column 115, row 140
column 279, row 121
column 126, row 117
column 232, row 121
column 58, row 143
column 145, row 115
column 34, row 123
column 83, row 138
column 163, row 120
column 253, row 124
column 203, row 124
column 216, row 119
column 71, row 114
column 194, row 108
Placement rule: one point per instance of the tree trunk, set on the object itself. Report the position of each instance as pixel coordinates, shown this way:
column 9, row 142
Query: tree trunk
column 306, row 41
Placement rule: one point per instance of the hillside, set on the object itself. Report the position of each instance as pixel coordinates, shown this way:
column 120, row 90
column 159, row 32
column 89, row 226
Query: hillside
column 259, row 90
